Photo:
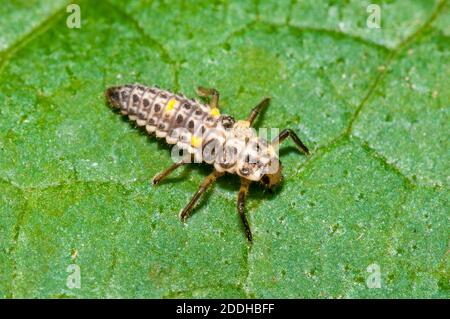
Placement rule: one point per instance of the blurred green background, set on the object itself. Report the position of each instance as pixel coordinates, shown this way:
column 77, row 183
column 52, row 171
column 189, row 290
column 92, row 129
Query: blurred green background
column 372, row 105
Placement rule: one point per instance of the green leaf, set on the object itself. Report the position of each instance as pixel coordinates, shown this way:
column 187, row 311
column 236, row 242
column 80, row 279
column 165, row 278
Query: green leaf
column 371, row 104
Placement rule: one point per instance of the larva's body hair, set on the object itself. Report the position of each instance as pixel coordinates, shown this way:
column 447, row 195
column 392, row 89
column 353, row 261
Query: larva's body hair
column 217, row 139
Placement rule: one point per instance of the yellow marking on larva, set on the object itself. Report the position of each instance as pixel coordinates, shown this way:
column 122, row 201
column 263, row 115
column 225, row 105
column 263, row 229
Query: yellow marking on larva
column 214, row 111
column 196, row 141
column 171, row 105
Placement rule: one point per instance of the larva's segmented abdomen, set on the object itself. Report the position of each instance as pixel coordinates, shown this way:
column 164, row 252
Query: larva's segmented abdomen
column 172, row 116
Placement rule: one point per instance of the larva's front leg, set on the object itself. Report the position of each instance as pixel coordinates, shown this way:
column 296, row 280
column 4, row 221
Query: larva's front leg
column 160, row 176
column 245, row 183
column 208, row 181
column 290, row 133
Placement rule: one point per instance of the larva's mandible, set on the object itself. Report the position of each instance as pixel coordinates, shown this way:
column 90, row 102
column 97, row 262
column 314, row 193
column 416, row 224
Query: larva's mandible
column 200, row 130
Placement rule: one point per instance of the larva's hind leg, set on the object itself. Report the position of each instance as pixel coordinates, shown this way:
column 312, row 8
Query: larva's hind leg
column 208, row 181
column 160, row 176
column 207, row 92
column 241, row 206
column 257, row 109
column 290, row 133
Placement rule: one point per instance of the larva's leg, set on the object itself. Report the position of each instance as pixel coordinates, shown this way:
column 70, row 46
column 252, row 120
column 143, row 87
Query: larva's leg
column 208, row 181
column 160, row 176
column 257, row 109
column 207, row 92
column 290, row 133
column 241, row 206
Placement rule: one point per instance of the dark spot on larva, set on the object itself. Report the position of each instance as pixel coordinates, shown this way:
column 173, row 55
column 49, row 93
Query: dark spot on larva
column 146, row 102
column 142, row 115
column 157, row 107
column 135, row 98
column 179, row 118
column 244, row 171
column 191, row 124
column 184, row 138
column 113, row 94
column 228, row 121
column 153, row 91
column 164, row 95
column 124, row 95
column 209, row 148
column 226, row 165
column 198, row 112
column 187, row 106
column 151, row 121
column 251, row 159
column 202, row 130
column 209, row 118
column 161, row 126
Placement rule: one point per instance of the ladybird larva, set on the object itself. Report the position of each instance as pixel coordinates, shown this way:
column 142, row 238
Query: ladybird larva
column 200, row 130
